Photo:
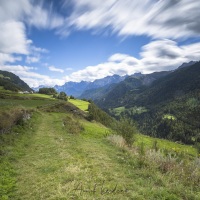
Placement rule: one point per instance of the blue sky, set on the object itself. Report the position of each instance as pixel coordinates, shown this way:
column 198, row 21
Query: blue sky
column 49, row 42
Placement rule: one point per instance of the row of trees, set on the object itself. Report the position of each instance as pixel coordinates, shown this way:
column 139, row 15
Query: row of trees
column 52, row 91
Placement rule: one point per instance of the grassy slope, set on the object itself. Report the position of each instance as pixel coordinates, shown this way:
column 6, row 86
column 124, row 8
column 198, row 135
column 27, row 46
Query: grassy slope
column 52, row 164
column 25, row 100
column 55, row 164
column 164, row 144
column 83, row 105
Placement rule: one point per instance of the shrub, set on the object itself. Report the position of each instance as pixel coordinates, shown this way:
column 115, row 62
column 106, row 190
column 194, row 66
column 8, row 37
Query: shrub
column 12, row 117
column 118, row 140
column 62, row 96
column 125, row 128
column 72, row 97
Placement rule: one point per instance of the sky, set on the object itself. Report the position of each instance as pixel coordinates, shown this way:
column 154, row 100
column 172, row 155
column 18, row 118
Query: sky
column 50, row 42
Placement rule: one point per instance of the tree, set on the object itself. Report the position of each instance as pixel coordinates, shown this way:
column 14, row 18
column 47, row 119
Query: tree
column 62, row 96
column 72, row 97
column 47, row 91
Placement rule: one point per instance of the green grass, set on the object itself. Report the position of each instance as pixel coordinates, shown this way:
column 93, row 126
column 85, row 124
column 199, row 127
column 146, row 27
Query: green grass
column 13, row 95
column 44, row 160
column 164, row 145
column 132, row 110
column 51, row 163
column 14, row 99
column 118, row 111
column 45, row 96
column 8, row 103
column 169, row 116
column 83, row 105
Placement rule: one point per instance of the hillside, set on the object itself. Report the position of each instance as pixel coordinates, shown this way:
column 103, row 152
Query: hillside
column 97, row 93
column 175, row 85
column 123, row 91
column 12, row 82
column 175, row 95
column 58, row 154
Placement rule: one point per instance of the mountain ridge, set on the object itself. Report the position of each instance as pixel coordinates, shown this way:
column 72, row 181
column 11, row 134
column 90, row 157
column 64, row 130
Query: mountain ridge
column 10, row 81
column 168, row 108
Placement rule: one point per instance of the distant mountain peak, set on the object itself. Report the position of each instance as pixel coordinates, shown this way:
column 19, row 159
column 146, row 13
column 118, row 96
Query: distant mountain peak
column 77, row 88
column 187, row 64
column 137, row 74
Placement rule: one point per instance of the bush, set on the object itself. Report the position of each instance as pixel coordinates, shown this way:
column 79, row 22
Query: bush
column 72, row 97
column 118, row 140
column 63, row 96
column 125, row 128
column 10, row 118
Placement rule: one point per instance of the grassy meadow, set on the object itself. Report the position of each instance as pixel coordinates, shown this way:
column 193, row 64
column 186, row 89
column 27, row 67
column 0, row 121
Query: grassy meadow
column 83, row 105
column 62, row 155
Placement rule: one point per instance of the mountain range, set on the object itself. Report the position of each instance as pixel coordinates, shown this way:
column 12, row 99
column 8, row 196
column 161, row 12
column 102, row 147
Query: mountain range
column 158, row 87
column 80, row 89
column 115, row 85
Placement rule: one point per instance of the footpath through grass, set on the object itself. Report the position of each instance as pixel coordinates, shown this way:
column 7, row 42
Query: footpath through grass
column 54, row 164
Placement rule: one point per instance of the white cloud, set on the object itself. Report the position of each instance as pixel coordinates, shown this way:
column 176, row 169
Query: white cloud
column 32, row 59
column 13, row 38
column 54, row 69
column 46, row 18
column 35, row 53
column 47, row 81
column 31, row 78
column 7, row 58
column 32, row 13
column 167, row 55
column 159, row 19
column 14, row 16
column 158, row 55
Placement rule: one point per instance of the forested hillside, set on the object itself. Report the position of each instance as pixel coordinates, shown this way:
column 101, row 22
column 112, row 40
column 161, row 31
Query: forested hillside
column 169, row 105
column 12, row 82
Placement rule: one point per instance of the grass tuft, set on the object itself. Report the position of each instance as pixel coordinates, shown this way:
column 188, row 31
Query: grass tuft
column 118, row 140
